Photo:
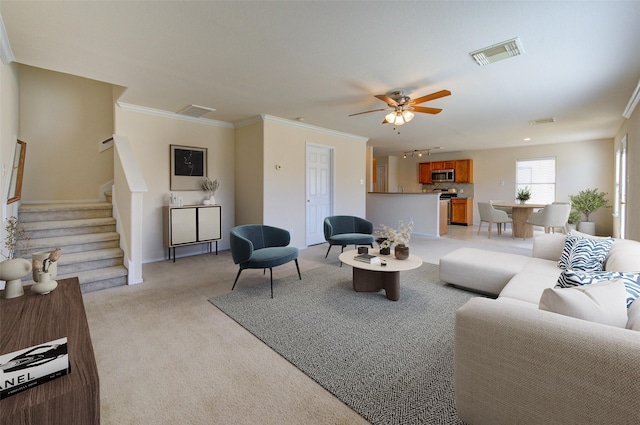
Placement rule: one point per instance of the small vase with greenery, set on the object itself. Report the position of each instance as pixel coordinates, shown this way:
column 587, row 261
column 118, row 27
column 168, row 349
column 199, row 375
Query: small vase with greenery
column 523, row 195
column 588, row 201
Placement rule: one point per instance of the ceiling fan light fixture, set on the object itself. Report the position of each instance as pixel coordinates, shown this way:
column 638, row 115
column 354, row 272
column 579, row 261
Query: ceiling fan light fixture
column 390, row 117
column 497, row 52
column 407, row 115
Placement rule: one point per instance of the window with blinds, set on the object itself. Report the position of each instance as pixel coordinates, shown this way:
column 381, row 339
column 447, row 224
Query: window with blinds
column 539, row 175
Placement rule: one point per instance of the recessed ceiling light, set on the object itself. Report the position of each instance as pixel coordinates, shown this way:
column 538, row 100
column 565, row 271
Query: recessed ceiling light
column 195, row 111
column 527, row 139
column 497, row 52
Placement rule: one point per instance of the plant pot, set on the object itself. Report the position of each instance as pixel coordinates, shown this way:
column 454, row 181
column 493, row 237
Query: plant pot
column 385, row 251
column 588, row 227
column 44, row 285
column 401, row 252
column 41, row 256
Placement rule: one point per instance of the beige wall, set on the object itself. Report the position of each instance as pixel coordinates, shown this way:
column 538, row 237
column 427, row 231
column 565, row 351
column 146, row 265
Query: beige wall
column 283, row 196
column 63, row 119
column 580, row 165
column 150, row 137
column 249, row 166
column 9, row 101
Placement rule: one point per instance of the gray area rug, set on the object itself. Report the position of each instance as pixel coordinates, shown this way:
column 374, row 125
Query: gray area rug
column 392, row 362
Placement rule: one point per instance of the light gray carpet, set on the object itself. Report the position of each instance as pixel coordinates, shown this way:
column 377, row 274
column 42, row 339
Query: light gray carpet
column 392, row 362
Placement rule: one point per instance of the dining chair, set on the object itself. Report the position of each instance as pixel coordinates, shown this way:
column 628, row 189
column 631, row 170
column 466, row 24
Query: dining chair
column 551, row 217
column 490, row 215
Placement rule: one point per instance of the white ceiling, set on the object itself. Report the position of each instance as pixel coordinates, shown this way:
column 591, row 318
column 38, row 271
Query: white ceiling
column 325, row 60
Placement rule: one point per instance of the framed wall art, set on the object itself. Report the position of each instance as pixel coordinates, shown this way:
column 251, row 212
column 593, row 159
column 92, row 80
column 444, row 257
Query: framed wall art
column 188, row 167
column 17, row 171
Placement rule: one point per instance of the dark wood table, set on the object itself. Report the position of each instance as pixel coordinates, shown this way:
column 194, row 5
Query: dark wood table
column 520, row 214
column 35, row 319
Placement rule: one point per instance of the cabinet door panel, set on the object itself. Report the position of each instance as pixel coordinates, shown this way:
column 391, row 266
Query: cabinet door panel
column 425, row 172
column 208, row 223
column 183, row 225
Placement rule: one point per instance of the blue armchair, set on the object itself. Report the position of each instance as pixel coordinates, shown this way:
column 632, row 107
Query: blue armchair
column 257, row 246
column 346, row 230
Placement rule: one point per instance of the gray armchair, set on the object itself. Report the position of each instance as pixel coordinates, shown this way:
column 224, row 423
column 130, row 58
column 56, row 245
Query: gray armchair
column 257, row 246
column 346, row 230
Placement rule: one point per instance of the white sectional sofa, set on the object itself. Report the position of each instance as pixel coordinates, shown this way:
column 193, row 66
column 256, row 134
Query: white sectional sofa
column 518, row 364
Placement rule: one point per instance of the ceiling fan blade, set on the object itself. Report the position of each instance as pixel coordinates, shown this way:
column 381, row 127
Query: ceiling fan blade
column 386, row 99
column 432, row 96
column 366, row 112
column 426, row 110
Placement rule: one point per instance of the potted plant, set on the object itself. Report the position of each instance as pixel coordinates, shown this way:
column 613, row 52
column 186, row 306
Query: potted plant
column 524, row 194
column 586, row 202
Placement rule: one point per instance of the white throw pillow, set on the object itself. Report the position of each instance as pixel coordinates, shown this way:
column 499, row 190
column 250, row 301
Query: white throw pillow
column 634, row 316
column 602, row 302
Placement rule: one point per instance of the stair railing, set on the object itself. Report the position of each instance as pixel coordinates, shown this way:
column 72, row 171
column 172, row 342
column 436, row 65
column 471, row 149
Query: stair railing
column 127, row 197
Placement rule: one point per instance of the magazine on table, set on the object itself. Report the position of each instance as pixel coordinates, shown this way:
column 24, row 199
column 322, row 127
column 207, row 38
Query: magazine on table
column 367, row 258
column 26, row 368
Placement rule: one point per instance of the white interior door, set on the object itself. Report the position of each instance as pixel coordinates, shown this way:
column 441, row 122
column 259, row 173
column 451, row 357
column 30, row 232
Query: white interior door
column 319, row 191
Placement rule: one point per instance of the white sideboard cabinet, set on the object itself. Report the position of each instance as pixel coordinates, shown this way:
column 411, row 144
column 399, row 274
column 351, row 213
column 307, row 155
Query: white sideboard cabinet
column 190, row 225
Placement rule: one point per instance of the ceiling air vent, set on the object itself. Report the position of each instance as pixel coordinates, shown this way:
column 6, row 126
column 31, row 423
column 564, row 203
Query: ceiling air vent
column 542, row 121
column 498, row 52
column 195, row 111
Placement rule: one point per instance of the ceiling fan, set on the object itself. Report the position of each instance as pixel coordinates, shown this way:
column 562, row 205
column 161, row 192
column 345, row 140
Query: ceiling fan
column 402, row 107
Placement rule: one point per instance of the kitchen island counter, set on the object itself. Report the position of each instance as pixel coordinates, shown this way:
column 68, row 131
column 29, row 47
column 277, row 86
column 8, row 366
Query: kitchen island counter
column 389, row 207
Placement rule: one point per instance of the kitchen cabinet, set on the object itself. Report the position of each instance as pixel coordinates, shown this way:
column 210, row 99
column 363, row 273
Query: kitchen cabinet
column 464, row 170
column 462, row 211
column 443, row 165
column 190, row 225
column 425, row 172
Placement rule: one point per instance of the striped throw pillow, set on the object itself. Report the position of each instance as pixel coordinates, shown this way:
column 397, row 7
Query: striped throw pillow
column 571, row 278
column 586, row 254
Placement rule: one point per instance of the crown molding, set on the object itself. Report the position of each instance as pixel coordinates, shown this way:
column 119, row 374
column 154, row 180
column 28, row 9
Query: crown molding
column 299, row 124
column 6, row 55
column 633, row 101
column 171, row 115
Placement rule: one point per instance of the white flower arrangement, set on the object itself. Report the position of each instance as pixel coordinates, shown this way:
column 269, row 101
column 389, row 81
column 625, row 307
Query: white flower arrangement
column 396, row 237
column 210, row 186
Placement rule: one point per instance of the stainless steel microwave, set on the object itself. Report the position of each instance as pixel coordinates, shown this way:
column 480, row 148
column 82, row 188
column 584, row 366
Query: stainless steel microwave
column 442, row 176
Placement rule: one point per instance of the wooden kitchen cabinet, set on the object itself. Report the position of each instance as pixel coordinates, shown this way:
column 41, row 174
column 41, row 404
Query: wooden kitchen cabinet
column 443, row 165
column 424, row 171
column 464, row 170
column 190, row 225
column 462, row 211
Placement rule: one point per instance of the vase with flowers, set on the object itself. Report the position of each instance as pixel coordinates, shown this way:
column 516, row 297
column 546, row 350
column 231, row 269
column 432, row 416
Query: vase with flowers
column 210, row 186
column 398, row 238
column 42, row 269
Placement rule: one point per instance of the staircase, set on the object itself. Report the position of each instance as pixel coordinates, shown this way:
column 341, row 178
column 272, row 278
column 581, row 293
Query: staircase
column 86, row 233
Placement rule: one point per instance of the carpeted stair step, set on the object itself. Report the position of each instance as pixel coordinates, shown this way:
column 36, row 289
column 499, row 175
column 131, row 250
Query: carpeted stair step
column 48, row 229
column 70, row 244
column 71, row 264
column 95, row 280
column 67, row 211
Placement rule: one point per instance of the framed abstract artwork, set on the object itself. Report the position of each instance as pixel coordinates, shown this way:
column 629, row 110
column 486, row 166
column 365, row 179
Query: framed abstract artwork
column 188, row 167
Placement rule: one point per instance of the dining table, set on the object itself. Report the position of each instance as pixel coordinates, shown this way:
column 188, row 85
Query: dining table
column 520, row 214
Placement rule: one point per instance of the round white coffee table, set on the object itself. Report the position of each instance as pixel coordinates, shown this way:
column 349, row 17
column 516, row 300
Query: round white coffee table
column 374, row 277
